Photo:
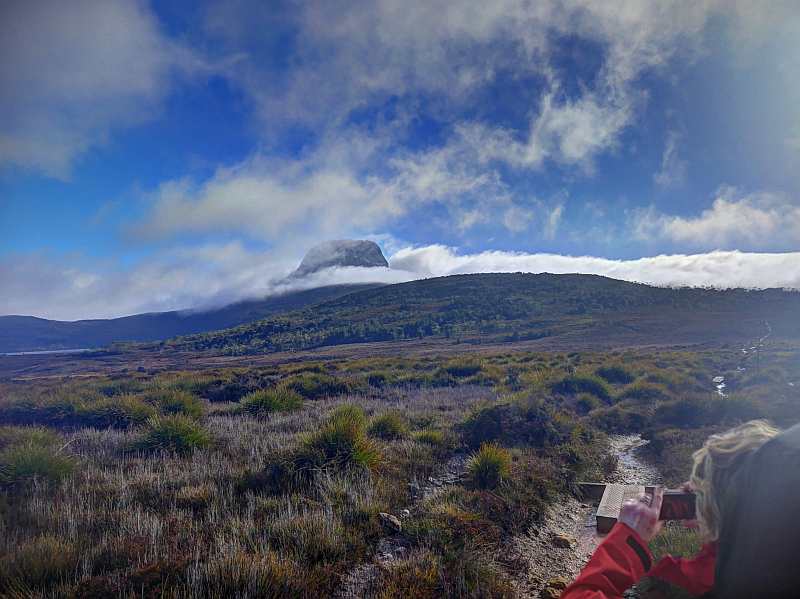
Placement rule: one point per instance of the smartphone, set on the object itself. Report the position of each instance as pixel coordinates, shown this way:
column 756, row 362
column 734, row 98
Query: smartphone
column 678, row 505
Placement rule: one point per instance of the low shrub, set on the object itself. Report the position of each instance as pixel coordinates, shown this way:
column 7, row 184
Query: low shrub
column 487, row 466
column 27, row 461
column 176, row 432
column 388, row 426
column 266, row 401
column 340, row 440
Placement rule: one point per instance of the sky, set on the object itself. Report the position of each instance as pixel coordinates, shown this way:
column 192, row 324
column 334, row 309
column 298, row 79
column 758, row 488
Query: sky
column 167, row 155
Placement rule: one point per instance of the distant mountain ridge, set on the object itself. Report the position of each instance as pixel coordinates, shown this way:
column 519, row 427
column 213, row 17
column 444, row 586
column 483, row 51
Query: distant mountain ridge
column 28, row 333
column 495, row 307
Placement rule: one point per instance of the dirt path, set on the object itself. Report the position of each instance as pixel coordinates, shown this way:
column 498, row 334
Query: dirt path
column 542, row 558
column 570, row 517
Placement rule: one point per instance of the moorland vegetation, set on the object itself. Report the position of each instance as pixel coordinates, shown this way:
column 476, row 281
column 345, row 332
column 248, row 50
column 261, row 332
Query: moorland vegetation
column 279, row 481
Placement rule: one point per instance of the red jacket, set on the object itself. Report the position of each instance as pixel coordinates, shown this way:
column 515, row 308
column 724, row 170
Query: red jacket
column 623, row 558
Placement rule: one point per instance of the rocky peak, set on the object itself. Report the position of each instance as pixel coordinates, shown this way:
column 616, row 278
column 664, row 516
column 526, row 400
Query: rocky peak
column 339, row 253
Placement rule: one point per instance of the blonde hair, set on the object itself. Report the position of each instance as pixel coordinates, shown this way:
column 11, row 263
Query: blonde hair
column 716, row 463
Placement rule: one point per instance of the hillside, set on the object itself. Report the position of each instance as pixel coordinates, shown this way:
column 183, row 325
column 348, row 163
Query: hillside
column 28, row 333
column 490, row 308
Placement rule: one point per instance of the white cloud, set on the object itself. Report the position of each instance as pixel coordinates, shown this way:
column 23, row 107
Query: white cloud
column 74, row 287
column 758, row 221
column 718, row 268
column 673, row 169
column 72, row 71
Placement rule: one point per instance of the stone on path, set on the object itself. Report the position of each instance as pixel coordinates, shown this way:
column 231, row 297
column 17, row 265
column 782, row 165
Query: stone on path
column 563, row 541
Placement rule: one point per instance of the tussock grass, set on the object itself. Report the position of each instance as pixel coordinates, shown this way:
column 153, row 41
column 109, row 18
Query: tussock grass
column 287, row 506
column 339, row 441
column 267, row 401
column 25, row 462
column 177, row 433
column 33, row 435
column 179, row 401
column 488, row 466
column 388, row 426
column 429, row 437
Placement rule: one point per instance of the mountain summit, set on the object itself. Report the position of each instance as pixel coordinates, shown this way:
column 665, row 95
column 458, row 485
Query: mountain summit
column 339, row 253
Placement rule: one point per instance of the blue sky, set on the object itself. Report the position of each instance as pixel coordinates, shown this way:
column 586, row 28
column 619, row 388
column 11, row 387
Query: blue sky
column 159, row 155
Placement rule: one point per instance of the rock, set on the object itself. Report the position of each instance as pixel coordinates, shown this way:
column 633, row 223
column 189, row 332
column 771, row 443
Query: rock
column 390, row 522
column 557, row 583
column 563, row 541
column 405, row 514
column 341, row 253
column 549, row 593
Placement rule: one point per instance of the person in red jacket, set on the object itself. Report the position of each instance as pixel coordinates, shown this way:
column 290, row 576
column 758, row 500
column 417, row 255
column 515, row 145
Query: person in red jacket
column 623, row 557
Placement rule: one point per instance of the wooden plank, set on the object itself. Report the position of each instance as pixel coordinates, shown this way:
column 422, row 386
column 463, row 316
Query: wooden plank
column 613, row 498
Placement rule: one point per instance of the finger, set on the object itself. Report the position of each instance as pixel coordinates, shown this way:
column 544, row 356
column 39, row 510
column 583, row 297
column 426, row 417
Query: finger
column 691, row 523
column 657, row 526
column 636, row 499
column 687, row 486
column 658, row 498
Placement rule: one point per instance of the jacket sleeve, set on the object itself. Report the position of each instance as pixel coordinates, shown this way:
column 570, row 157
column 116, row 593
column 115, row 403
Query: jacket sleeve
column 696, row 575
column 619, row 562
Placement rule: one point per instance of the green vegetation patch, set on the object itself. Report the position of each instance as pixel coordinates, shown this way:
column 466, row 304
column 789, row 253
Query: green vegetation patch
column 176, row 432
column 388, row 426
column 488, row 466
column 25, row 462
column 267, row 401
column 339, row 441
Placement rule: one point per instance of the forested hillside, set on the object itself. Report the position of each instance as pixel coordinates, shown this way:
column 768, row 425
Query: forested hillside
column 488, row 308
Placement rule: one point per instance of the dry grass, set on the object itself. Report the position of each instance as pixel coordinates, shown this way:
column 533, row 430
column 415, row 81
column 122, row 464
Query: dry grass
column 287, row 506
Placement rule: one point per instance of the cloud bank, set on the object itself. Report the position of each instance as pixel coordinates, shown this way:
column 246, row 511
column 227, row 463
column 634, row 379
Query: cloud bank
column 72, row 289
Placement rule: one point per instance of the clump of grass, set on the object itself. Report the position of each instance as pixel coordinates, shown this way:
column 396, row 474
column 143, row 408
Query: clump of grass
column 389, row 425
column 587, row 402
column 180, row 402
column 645, row 391
column 175, row 432
column 27, row 461
column 33, row 435
column 615, row 374
column 37, row 562
column 581, row 383
column 244, row 575
column 266, row 401
column 429, row 437
column 488, row 466
column 340, row 440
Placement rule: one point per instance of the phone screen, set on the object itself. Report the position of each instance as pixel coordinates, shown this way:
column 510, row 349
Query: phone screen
column 678, row 505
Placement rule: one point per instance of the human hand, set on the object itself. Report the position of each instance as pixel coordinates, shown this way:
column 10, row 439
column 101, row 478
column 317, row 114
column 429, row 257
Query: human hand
column 641, row 514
